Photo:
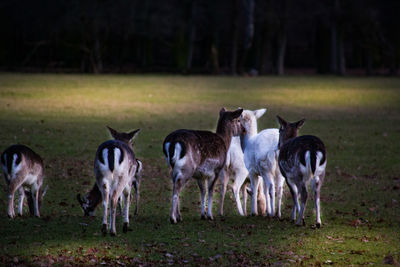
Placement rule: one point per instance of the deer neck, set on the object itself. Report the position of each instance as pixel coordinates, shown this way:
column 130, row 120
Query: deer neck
column 225, row 133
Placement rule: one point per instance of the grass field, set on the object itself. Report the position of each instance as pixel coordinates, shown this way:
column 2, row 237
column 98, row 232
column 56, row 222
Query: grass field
column 63, row 118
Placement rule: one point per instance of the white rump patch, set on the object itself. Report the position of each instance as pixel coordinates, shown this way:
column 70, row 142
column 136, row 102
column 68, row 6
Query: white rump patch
column 177, row 152
column 167, row 151
column 320, row 168
column 104, row 167
column 117, row 156
column 15, row 167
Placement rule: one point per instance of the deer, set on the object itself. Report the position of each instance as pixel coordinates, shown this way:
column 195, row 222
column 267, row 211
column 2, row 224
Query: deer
column 115, row 167
column 260, row 157
column 92, row 199
column 201, row 155
column 24, row 172
column 237, row 171
column 301, row 159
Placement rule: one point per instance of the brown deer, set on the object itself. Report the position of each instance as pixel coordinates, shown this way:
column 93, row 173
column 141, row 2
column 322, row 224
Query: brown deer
column 301, row 159
column 115, row 167
column 23, row 168
column 201, row 155
column 92, row 199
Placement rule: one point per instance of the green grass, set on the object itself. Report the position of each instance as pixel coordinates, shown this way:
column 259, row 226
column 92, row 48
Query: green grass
column 63, row 118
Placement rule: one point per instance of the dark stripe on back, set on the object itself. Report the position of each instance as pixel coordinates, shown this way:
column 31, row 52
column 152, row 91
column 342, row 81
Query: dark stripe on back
column 313, row 159
column 111, row 159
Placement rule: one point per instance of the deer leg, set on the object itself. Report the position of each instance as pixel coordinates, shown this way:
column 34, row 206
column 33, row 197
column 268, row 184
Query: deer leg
column 316, row 186
column 224, row 178
column 21, row 194
column 240, row 177
column 279, row 184
column 127, row 197
column 113, row 211
column 267, row 192
column 137, row 196
column 179, row 181
column 303, row 196
column 35, row 196
column 105, row 194
column 12, row 187
column 202, row 186
column 211, row 184
column 255, row 181
column 295, row 197
column 244, row 198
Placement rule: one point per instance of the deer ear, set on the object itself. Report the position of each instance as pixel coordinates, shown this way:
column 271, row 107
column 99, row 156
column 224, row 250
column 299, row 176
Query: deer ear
column 112, row 131
column 237, row 113
column 259, row 112
column 222, row 111
column 300, row 123
column 133, row 134
column 281, row 121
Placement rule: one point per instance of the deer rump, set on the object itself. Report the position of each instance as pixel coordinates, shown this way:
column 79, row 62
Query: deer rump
column 297, row 149
column 207, row 143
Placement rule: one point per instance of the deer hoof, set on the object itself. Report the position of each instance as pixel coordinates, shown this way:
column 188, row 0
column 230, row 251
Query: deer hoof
column 125, row 228
column 318, row 225
column 210, row 218
column 304, row 222
column 113, row 234
column 203, row 217
column 173, row 221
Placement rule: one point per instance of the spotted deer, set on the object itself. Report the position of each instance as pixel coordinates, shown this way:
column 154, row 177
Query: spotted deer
column 201, row 155
column 115, row 166
column 260, row 156
column 92, row 199
column 301, row 160
column 24, row 172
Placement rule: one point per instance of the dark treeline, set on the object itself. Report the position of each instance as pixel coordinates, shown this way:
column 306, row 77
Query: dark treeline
column 201, row 36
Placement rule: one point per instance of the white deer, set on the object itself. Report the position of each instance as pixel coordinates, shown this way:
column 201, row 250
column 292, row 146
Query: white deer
column 260, row 156
column 237, row 171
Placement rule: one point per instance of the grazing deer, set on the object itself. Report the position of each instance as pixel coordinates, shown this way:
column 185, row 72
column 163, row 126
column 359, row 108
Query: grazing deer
column 236, row 169
column 260, row 156
column 115, row 167
column 301, row 159
column 201, row 155
column 22, row 167
column 92, row 199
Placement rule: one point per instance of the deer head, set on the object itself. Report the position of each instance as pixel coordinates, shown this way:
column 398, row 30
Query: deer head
column 288, row 130
column 90, row 201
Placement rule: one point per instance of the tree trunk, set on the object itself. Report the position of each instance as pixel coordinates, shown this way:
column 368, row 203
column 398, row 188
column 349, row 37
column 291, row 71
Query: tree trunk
column 235, row 35
column 280, row 62
column 368, row 62
column 342, row 57
column 333, row 65
column 192, row 38
column 248, row 6
column 214, row 58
